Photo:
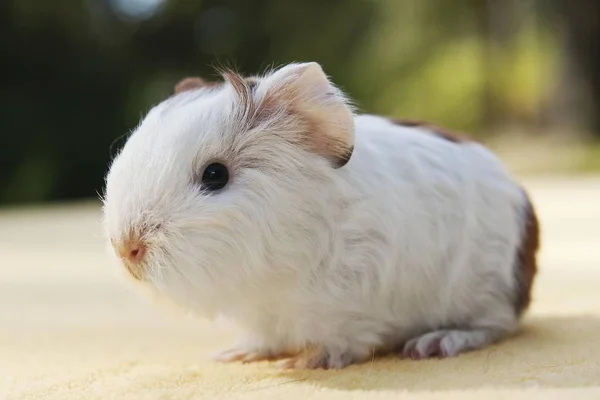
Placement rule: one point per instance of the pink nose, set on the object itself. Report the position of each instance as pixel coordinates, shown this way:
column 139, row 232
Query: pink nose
column 132, row 251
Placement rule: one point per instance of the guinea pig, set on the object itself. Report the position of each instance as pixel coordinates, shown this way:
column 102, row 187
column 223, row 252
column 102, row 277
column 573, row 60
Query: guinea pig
column 326, row 235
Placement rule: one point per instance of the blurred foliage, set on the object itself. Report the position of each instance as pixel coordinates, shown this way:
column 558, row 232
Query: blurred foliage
column 79, row 74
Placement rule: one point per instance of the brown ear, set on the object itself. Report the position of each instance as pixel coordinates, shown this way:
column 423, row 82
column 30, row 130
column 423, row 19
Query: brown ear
column 189, row 83
column 305, row 91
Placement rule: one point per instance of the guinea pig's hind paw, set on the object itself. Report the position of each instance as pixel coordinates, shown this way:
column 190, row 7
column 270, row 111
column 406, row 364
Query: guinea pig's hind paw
column 447, row 343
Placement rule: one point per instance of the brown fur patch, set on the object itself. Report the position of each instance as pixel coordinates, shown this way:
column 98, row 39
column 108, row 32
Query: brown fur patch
column 253, row 113
column 329, row 126
column 195, row 82
column 190, row 83
column 285, row 97
column 343, row 158
column 526, row 267
column 438, row 131
column 243, row 90
column 320, row 141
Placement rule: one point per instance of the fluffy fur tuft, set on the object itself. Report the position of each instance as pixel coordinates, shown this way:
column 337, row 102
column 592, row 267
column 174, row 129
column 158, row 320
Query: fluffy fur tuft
column 337, row 235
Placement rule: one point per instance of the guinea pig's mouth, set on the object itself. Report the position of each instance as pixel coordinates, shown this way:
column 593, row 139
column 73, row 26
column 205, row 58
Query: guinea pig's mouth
column 136, row 270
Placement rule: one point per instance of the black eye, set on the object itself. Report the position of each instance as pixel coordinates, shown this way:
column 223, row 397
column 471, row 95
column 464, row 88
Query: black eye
column 215, row 177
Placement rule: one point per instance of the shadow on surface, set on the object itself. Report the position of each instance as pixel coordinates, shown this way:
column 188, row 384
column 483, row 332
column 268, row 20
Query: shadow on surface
column 547, row 352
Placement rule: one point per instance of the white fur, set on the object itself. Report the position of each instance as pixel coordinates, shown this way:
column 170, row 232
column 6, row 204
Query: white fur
column 415, row 234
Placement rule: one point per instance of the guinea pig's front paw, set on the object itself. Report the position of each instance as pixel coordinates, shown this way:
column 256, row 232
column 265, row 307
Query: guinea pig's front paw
column 316, row 357
column 247, row 355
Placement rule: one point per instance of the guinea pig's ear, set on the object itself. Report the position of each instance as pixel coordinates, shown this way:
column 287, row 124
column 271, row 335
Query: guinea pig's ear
column 304, row 90
column 189, row 83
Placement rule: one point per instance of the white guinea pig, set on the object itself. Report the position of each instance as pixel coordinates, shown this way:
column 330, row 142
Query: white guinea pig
column 326, row 236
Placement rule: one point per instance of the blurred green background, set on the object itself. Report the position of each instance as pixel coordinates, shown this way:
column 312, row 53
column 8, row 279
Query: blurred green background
column 521, row 75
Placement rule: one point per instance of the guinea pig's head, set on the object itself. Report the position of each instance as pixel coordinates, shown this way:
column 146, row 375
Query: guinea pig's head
column 225, row 186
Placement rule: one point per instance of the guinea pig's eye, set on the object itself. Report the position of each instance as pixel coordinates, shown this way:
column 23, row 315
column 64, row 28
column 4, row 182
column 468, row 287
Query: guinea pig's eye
column 215, row 176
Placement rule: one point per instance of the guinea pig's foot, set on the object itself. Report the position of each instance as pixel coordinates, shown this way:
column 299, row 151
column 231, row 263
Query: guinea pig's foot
column 316, row 357
column 447, row 343
column 246, row 355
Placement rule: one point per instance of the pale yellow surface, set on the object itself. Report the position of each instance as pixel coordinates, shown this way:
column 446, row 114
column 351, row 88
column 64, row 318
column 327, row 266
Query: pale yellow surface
column 70, row 330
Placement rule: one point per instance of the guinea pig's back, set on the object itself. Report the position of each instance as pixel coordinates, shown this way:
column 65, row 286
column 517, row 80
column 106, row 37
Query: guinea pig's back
column 419, row 158
column 427, row 159
column 459, row 215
